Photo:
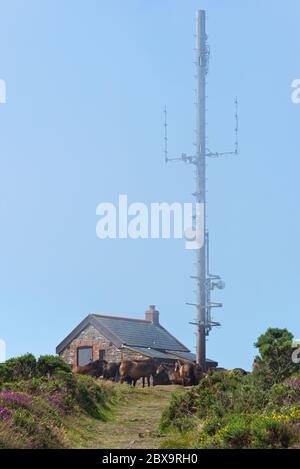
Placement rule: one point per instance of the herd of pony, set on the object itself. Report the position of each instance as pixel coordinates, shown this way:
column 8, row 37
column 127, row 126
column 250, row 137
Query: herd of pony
column 131, row 371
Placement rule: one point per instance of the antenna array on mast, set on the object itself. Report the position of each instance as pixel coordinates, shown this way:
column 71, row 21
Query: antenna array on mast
column 205, row 281
column 166, row 134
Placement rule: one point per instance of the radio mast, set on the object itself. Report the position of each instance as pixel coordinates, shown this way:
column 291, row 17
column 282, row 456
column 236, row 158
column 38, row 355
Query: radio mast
column 205, row 281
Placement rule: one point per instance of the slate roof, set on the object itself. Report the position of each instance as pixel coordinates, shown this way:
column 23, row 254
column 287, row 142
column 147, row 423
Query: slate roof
column 189, row 356
column 127, row 332
column 184, row 355
column 169, row 355
column 140, row 333
column 148, row 352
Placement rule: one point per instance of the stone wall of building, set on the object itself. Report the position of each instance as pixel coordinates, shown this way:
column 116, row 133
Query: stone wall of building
column 132, row 355
column 90, row 337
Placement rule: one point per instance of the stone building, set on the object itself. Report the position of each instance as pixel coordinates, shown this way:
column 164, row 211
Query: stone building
column 116, row 338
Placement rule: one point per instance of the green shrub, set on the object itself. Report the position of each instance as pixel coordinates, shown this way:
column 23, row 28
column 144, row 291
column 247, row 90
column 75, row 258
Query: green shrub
column 254, row 431
column 259, row 410
column 27, row 367
column 215, row 396
column 23, row 367
column 50, row 364
column 180, row 410
column 227, row 411
column 274, row 362
column 241, row 431
column 235, row 433
column 33, row 411
column 282, row 395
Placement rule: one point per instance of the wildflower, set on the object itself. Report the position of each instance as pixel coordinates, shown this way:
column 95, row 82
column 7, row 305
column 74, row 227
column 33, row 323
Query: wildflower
column 294, row 383
column 12, row 397
column 295, row 414
column 4, row 413
column 281, row 418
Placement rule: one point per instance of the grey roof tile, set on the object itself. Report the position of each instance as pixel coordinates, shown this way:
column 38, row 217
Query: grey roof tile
column 150, row 352
column 189, row 356
column 136, row 334
column 140, row 333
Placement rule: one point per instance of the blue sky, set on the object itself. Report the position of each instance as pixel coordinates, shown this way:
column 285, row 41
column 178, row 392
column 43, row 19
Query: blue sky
column 86, row 85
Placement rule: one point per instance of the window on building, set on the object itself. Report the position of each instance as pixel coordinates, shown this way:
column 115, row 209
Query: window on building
column 84, row 355
column 101, row 354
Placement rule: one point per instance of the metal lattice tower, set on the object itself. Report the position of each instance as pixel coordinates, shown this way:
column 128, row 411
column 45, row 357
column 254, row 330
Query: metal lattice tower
column 205, row 281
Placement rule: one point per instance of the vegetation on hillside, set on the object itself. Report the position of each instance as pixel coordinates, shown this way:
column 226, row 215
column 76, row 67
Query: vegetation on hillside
column 37, row 396
column 259, row 410
column 43, row 404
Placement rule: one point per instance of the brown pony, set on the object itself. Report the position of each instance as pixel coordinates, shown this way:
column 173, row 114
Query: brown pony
column 137, row 369
column 186, row 372
column 94, row 369
column 173, row 375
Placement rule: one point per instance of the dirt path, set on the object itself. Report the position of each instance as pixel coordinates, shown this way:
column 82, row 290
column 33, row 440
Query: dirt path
column 133, row 422
column 136, row 419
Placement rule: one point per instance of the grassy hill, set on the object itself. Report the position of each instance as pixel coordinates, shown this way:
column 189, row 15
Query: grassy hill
column 131, row 422
column 232, row 411
column 33, row 413
column 44, row 405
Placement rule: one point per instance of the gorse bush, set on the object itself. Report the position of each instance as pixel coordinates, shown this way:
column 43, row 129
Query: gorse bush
column 259, row 410
column 30, row 422
column 27, row 367
column 274, row 362
column 282, row 395
column 33, row 408
column 217, row 414
column 250, row 431
column 215, row 396
column 49, row 365
column 24, row 367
